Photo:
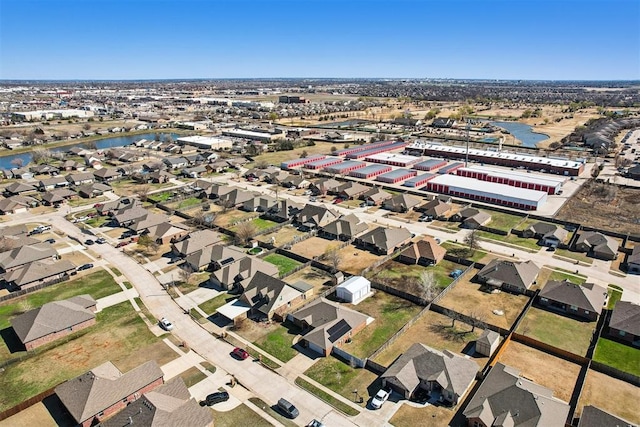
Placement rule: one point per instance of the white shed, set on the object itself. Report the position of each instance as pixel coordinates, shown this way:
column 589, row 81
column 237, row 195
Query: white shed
column 488, row 342
column 354, row 290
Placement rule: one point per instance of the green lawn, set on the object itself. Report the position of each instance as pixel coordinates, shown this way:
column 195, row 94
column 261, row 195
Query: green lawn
column 398, row 274
column 321, row 394
column 462, row 251
column 390, row 313
column 192, row 376
column 240, row 415
column 283, row 263
column 98, row 285
column 560, row 275
column 263, row 224
column 161, row 197
column 503, row 221
column 615, row 293
column 512, row 239
column 119, row 335
column 620, row 356
column 186, row 203
column 213, row 304
column 557, row 330
column 97, row 221
column 279, row 342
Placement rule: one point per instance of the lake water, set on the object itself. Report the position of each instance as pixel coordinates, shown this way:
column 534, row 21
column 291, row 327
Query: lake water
column 523, row 132
column 101, row 144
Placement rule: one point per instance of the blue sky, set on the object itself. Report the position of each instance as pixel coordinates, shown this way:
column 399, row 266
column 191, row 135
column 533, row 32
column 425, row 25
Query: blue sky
column 154, row 39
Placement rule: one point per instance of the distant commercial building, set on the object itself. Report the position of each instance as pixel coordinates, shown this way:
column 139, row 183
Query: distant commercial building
column 27, row 116
column 548, row 184
column 393, row 159
column 430, row 164
column 370, row 171
column 376, row 150
column 543, row 164
column 323, row 163
column 192, row 125
column 290, row 164
column 364, row 147
column 345, row 167
column 489, row 192
column 286, row 99
column 396, row 176
column 255, row 134
column 206, row 142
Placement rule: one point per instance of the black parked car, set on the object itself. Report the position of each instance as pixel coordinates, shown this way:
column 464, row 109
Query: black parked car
column 85, row 267
column 213, row 398
column 287, row 408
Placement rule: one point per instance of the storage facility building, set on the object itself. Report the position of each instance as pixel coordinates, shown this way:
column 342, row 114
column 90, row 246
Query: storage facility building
column 206, row 142
column 451, row 168
column 393, row 159
column 396, row 176
column 363, row 147
column 345, row 167
column 430, row 164
column 370, row 171
column 323, row 163
column 546, row 183
column 375, row 150
column 419, row 180
column 290, row 164
column 489, row 192
column 543, row 164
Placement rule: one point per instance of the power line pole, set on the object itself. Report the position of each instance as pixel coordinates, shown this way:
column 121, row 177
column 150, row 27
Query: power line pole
column 466, row 156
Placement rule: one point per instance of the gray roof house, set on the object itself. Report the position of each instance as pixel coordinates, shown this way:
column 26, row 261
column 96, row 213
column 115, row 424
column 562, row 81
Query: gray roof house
column 507, row 399
column 259, row 204
column 214, row 257
column 443, row 374
column 625, row 322
column 596, row 417
column 312, row 216
column 17, row 203
column 549, row 234
column 401, row 203
column 269, row 296
column 375, row 196
column 93, row 190
column 597, row 245
column 509, row 275
column 57, row 196
column 54, row 320
column 168, row 405
column 80, row 178
column 383, row 240
column 344, row 228
column 477, row 220
column 436, row 208
column 283, row 210
column 327, row 324
column 633, row 260
column 16, row 257
column 324, row 186
column 352, row 190
column 195, row 241
column 585, row 301
column 103, row 390
column 38, row 272
column 239, row 272
column 18, row 188
column 53, row 182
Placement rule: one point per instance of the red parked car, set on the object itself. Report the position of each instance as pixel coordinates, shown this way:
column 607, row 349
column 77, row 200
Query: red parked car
column 240, row 353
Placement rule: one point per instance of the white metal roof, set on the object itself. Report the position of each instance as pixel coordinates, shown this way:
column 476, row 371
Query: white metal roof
column 401, row 158
column 354, row 284
column 502, row 191
column 233, row 309
column 532, row 178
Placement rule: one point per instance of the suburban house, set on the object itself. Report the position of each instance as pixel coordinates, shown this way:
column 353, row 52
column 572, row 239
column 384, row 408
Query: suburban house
column 312, row 217
column 80, row 178
column 476, row 220
column 585, row 301
column 511, row 276
column 323, row 186
column 375, row 196
column 326, row 324
column 445, row 376
column 633, row 260
column 597, row 245
column 157, row 177
column 295, row 181
column 14, row 258
column 625, row 322
column 235, row 198
column 8, row 240
column 592, row 416
column 488, row 342
column 401, row 203
column 175, row 162
column 283, row 210
column 344, row 228
column 351, row 190
column 354, row 289
column 213, row 257
column 165, row 232
column 168, row 405
column 123, row 203
column 128, row 215
column 38, row 272
column 259, row 204
column 17, row 204
column 507, row 399
column 239, row 272
column 54, row 320
column 44, row 169
column 383, row 240
column 106, row 174
column 57, row 196
column 103, row 391
column 53, row 182
column 269, row 297
column 195, row 241
column 435, row 209
column 548, row 234
column 423, row 252
column 16, row 188
column 147, row 221
column 93, row 190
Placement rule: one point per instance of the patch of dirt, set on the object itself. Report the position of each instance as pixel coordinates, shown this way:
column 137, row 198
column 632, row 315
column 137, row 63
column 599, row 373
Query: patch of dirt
column 604, row 206
column 598, row 391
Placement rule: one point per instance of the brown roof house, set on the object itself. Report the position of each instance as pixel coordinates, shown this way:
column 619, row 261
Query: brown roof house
column 633, row 260
column 168, row 405
column 283, row 210
column 625, row 322
column 38, row 272
column 239, row 272
column 548, row 234
column 344, row 228
column 511, row 276
column 597, row 245
column 17, row 204
column 270, row 297
column 435, row 209
column 323, row 186
column 592, row 416
column 351, row 190
column 507, row 399
column 383, row 240
column 214, row 257
column 585, row 301
column 424, row 252
column 376, row 196
column 444, row 375
column 476, row 220
column 401, row 203
column 195, row 241
column 54, row 320
column 312, row 217
column 14, row 258
column 166, row 232
column 327, row 324
column 103, row 391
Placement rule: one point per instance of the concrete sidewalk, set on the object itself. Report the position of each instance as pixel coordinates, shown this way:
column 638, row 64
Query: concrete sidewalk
column 116, row 298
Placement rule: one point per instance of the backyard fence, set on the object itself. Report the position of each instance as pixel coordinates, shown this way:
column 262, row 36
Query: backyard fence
column 34, row 288
column 27, row 403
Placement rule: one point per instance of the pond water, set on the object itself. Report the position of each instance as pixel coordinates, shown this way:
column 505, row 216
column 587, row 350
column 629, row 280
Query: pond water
column 523, row 132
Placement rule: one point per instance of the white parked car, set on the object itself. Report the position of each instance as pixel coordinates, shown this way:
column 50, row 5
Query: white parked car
column 381, row 396
column 166, row 324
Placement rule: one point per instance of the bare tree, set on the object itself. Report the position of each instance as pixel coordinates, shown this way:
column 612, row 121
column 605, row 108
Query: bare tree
column 478, row 319
column 226, row 204
column 142, row 191
column 304, row 154
column 453, row 316
column 333, row 257
column 472, row 241
column 426, row 286
column 184, row 273
column 91, row 145
column 17, row 162
column 41, row 155
column 86, row 126
column 245, row 232
column 262, row 164
column 204, row 218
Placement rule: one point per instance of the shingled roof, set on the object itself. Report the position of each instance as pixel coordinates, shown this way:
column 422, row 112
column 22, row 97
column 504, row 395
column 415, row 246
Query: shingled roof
column 53, row 317
column 517, row 274
column 92, row 392
column 587, row 296
column 626, row 317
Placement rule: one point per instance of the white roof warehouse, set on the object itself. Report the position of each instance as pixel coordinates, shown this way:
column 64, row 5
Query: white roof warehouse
column 206, row 142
